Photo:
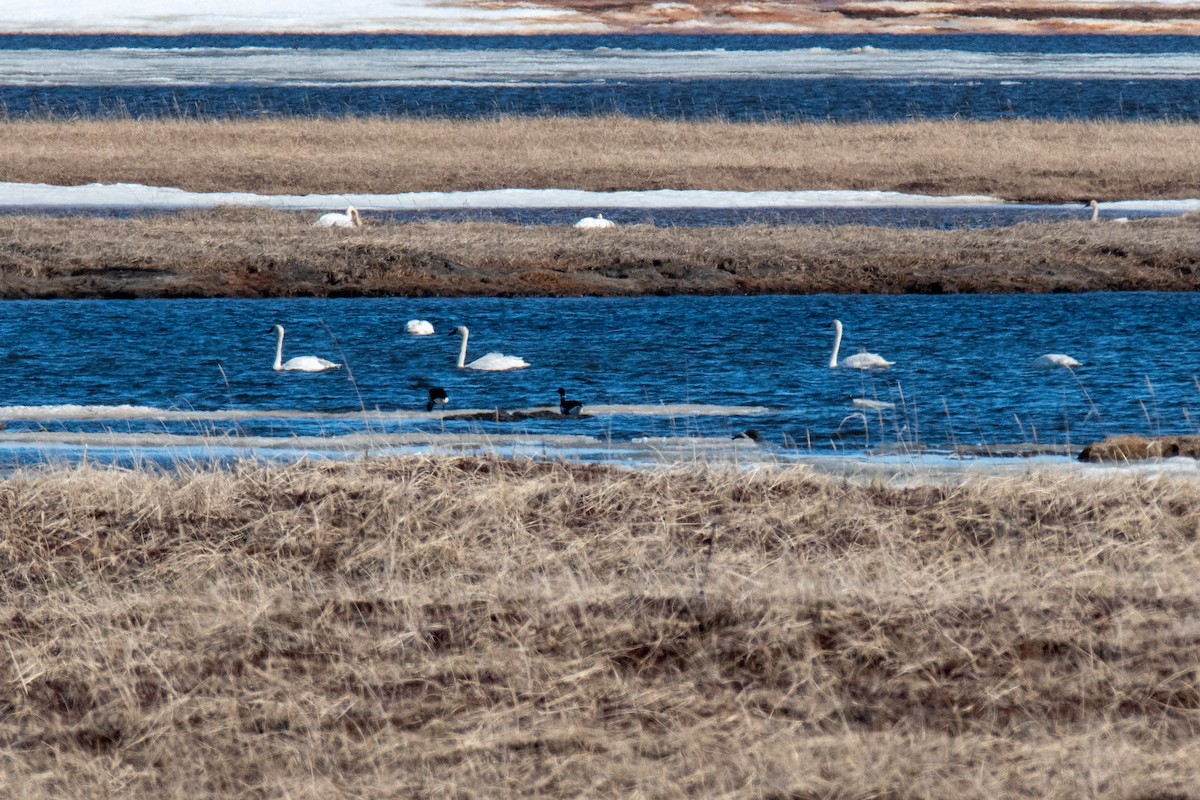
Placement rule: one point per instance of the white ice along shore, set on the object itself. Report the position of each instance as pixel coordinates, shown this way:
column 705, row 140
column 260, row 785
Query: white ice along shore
column 132, row 196
column 35, row 196
column 327, row 66
column 171, row 17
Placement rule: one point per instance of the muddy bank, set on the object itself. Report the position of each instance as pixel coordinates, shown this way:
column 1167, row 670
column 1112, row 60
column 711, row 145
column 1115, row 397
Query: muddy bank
column 252, row 253
column 1131, row 447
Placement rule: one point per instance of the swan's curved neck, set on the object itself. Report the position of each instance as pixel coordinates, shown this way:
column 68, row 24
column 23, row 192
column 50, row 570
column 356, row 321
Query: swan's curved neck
column 837, row 343
column 279, row 349
column 462, row 352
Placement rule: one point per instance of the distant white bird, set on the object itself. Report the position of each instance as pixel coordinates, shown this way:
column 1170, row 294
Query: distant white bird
column 299, row 363
column 492, row 362
column 592, row 223
column 1055, row 360
column 872, row 405
column 861, row 360
column 419, row 327
column 350, row 219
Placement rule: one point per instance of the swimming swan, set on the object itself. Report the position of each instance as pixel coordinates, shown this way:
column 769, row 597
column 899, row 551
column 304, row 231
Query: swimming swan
column 1055, row 360
column 492, row 362
column 350, row 219
column 592, row 223
column 299, row 363
column 419, row 327
column 863, row 360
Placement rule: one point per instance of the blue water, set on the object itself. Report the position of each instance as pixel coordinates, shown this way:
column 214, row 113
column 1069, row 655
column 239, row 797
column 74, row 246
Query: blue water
column 808, row 77
column 942, row 218
column 962, row 373
column 119, row 375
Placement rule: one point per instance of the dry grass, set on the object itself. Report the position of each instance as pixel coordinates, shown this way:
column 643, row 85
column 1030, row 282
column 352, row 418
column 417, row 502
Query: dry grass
column 1012, row 159
column 463, row 628
column 263, row 253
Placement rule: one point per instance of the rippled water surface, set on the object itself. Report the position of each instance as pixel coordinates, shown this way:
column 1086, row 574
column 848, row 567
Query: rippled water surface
column 127, row 373
column 846, row 77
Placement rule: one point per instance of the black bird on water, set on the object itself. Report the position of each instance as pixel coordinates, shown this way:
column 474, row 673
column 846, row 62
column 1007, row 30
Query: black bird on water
column 572, row 407
column 437, row 397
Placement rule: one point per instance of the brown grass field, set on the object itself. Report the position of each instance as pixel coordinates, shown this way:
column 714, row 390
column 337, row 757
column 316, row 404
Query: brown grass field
column 249, row 253
column 467, row 628
column 261, row 253
column 1016, row 160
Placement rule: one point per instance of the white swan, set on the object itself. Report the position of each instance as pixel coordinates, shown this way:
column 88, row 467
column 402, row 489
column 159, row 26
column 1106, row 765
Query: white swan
column 299, row 363
column 492, row 362
column 350, row 219
column 1055, row 360
column 863, row 360
column 419, row 327
column 871, row 405
column 592, row 223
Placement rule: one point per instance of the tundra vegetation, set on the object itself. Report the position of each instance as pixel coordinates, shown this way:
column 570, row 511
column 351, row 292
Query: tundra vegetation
column 478, row 628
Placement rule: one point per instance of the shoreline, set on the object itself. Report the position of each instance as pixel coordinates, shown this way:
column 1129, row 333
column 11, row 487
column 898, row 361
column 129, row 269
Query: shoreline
column 1028, row 161
column 246, row 253
column 583, row 17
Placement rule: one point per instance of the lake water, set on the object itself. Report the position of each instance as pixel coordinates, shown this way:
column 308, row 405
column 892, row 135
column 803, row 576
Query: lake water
column 661, row 378
column 194, row 377
column 786, row 77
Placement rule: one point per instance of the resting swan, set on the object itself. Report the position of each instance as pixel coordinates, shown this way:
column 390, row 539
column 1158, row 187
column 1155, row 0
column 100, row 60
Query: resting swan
column 492, row 362
column 350, row 219
column 299, row 363
column 1055, row 360
column 592, row 223
column 419, row 327
column 863, row 360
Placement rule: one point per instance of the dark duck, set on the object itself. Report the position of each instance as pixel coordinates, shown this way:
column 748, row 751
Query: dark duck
column 437, row 397
column 571, row 407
